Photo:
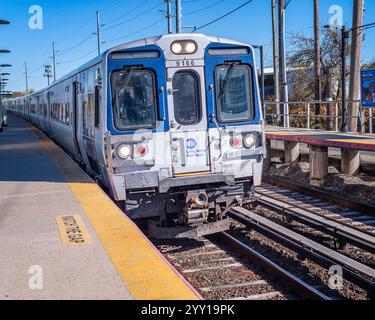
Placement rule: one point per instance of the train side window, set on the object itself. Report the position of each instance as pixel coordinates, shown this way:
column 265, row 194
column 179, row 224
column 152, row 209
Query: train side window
column 67, row 113
column 63, row 113
column 44, row 109
column 97, row 105
column 60, row 112
column 186, row 98
column 85, row 115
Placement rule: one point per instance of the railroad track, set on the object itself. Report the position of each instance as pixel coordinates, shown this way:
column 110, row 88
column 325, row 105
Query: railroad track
column 354, row 271
column 332, row 206
column 354, row 226
column 224, row 267
column 265, row 258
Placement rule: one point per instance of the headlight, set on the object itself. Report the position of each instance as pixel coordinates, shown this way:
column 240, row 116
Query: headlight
column 249, row 141
column 184, row 47
column 176, row 48
column 190, row 47
column 124, row 151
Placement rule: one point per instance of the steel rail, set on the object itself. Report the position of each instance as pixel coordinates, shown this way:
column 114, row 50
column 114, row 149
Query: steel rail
column 273, row 269
column 337, row 229
column 354, row 271
column 324, row 195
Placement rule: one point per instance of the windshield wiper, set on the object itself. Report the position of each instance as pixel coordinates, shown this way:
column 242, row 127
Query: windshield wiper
column 128, row 76
column 223, row 83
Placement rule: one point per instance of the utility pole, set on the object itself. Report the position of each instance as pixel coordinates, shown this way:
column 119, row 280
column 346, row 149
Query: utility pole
column 98, row 30
column 355, row 64
column 48, row 72
column 317, row 57
column 54, row 60
column 27, row 81
column 276, row 76
column 178, row 16
column 344, row 35
column 282, row 58
column 169, row 15
column 261, row 50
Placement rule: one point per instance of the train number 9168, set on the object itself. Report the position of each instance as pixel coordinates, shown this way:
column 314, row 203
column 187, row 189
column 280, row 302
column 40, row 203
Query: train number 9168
column 185, row 63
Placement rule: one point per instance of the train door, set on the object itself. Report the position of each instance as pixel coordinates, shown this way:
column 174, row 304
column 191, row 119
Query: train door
column 75, row 116
column 188, row 121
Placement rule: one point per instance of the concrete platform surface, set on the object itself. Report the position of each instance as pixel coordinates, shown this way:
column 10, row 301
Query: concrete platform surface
column 61, row 237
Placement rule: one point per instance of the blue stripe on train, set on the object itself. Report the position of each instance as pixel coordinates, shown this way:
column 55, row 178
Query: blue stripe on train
column 211, row 62
column 155, row 64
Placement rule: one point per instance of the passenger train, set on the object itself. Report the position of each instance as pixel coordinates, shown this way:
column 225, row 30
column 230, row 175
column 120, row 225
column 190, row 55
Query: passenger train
column 171, row 125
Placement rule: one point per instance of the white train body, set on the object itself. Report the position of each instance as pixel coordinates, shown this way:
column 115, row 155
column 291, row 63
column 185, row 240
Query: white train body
column 160, row 120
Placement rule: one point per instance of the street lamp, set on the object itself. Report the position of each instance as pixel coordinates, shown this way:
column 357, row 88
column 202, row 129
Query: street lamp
column 5, row 65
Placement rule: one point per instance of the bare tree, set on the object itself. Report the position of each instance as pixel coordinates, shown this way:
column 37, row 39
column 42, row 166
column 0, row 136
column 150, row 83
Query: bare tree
column 303, row 56
column 369, row 65
column 17, row 94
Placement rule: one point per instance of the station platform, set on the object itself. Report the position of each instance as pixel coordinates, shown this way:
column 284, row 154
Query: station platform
column 354, row 141
column 61, row 236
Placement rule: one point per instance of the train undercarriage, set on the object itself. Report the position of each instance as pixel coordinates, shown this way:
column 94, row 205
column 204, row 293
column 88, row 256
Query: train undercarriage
column 189, row 212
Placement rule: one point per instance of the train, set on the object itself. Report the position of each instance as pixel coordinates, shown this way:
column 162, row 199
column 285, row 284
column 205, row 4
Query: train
column 171, row 126
column 3, row 117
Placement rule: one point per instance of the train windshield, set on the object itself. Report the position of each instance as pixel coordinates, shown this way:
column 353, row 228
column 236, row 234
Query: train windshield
column 133, row 99
column 234, row 93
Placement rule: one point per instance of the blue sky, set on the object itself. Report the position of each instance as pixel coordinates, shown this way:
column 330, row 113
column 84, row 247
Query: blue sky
column 71, row 24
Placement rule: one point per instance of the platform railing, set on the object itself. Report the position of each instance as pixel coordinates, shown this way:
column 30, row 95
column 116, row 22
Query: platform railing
column 302, row 114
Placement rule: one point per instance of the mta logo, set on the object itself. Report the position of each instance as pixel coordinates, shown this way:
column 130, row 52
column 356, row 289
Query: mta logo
column 191, row 143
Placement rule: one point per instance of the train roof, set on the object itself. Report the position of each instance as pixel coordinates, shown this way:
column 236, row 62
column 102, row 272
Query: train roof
column 138, row 43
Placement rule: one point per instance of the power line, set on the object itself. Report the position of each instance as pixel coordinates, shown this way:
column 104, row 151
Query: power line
column 74, row 60
column 76, row 31
column 224, row 16
column 61, row 52
column 87, row 38
column 204, row 8
column 87, row 22
column 111, row 6
column 136, row 32
column 134, row 18
column 128, row 13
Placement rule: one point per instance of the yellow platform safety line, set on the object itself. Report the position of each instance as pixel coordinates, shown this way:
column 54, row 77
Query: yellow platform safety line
column 146, row 274
column 365, row 141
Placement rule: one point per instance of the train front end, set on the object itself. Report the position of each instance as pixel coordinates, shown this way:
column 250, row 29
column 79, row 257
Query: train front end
column 185, row 135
